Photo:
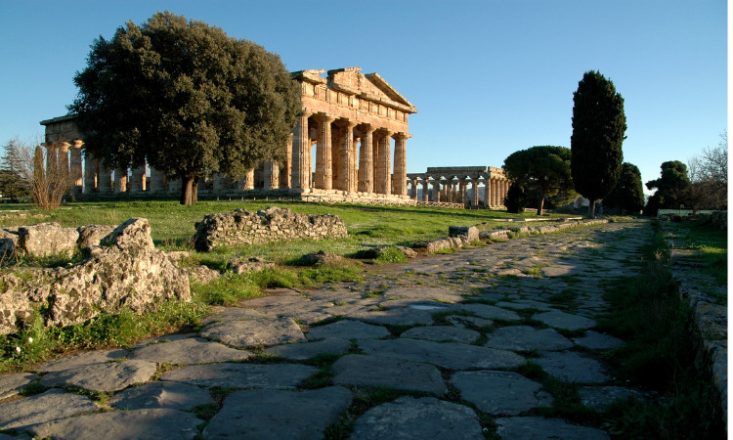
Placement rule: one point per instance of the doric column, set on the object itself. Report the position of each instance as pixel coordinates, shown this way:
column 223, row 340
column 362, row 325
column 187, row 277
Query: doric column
column 462, row 191
column 51, row 155
column 75, row 166
column 301, row 148
column 63, row 157
column 157, row 181
column 495, row 192
column 487, row 193
column 400, row 164
column 436, row 190
column 271, row 174
column 324, row 162
column 347, row 167
column 120, row 181
column 383, row 178
column 474, row 194
column 286, row 172
column 366, row 159
column 91, row 171
column 249, row 180
column 425, row 189
column 504, row 190
column 414, row 188
column 104, row 182
column 137, row 181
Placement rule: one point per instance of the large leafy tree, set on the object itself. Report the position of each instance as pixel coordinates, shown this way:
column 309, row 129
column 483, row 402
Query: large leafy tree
column 628, row 194
column 186, row 97
column 672, row 185
column 599, row 125
column 543, row 169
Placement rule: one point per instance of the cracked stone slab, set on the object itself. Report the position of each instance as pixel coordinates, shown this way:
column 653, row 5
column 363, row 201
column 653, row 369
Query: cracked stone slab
column 348, row 329
column 501, row 393
column 600, row 398
column 526, row 338
column 11, row 384
column 442, row 294
column 572, row 367
column 442, row 333
column 107, row 377
column 443, row 354
column 228, row 375
column 399, row 316
column 277, row 414
column 565, row 321
column 83, row 359
column 254, row 332
column 51, row 405
column 540, row 428
column 409, row 418
column 142, row 424
column 598, row 341
column 469, row 321
column 378, row 371
column 170, row 395
column 489, row 312
column 308, row 350
column 523, row 305
column 189, row 351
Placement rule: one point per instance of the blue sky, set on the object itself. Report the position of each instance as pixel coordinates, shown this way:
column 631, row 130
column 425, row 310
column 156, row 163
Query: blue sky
column 488, row 77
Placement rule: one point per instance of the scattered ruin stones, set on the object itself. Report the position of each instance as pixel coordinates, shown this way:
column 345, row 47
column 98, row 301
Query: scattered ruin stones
column 47, row 239
column 126, row 272
column 243, row 227
column 252, row 264
column 91, row 235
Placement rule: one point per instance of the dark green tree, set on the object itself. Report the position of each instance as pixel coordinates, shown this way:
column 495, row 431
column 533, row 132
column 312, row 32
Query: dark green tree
column 628, row 194
column 543, row 169
column 599, row 125
column 186, row 97
column 672, row 185
column 516, row 199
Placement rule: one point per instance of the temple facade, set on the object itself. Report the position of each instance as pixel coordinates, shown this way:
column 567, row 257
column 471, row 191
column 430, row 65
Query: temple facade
column 470, row 186
column 348, row 144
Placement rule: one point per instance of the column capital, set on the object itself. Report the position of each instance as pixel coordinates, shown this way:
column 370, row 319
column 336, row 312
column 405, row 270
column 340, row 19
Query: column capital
column 64, row 146
column 368, row 128
column 323, row 117
column 402, row 135
column 78, row 143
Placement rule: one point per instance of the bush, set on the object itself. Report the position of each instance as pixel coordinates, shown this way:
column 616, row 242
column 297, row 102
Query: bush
column 516, row 199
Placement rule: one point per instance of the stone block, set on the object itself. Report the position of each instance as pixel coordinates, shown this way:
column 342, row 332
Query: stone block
column 467, row 233
column 47, row 239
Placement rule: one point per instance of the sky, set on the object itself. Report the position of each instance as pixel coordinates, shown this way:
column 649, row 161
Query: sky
column 488, row 77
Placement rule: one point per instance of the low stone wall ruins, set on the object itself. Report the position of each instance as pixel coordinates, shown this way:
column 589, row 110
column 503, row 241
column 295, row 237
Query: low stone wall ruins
column 273, row 224
column 124, row 270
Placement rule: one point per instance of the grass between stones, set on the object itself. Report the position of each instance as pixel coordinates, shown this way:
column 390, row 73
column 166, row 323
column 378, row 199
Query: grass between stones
column 660, row 354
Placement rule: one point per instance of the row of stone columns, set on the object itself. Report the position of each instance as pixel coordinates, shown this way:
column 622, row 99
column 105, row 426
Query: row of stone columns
column 456, row 191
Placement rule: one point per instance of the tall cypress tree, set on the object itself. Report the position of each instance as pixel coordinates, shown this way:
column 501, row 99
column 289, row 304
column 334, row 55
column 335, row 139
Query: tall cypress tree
column 599, row 125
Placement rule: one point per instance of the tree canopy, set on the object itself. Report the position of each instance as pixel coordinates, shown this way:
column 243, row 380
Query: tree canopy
column 544, row 169
column 672, row 185
column 599, row 125
column 186, row 97
column 628, row 195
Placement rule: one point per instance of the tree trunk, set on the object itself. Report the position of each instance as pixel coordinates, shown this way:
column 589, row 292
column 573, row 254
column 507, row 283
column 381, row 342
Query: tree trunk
column 195, row 194
column 592, row 209
column 541, row 205
column 187, row 190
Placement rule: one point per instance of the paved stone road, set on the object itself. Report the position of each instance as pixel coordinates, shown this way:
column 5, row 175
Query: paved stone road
column 430, row 349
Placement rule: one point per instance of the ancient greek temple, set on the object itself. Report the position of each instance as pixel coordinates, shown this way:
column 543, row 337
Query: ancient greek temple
column 470, row 186
column 349, row 144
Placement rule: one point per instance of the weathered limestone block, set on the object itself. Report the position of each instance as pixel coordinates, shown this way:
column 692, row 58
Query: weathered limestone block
column 47, row 239
column 129, row 272
column 467, row 233
column 242, row 227
column 251, row 264
column 92, row 235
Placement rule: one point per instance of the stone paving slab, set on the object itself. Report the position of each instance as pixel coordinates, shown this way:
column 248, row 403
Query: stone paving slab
column 408, row 418
column 526, row 338
column 443, row 354
column 599, row 398
column 245, row 376
column 442, row 333
column 51, row 405
column 378, row 371
column 170, row 395
column 500, row 392
column 469, row 321
column 107, row 377
column 402, row 316
column 598, row 341
column 276, row 414
column 539, row 428
column 347, row 328
column 565, row 321
column 254, row 332
column 489, row 312
column 523, row 305
column 189, row 351
column 11, row 384
column 572, row 367
column 423, row 293
column 83, row 359
column 144, row 424
column 308, row 350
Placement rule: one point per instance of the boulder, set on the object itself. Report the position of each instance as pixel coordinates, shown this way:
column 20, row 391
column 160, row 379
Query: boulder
column 467, row 233
column 47, row 239
column 202, row 274
column 251, row 264
column 132, row 235
column 320, row 258
column 91, row 235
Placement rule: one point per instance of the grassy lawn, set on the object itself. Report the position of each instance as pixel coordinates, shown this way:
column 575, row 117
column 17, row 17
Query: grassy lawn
column 173, row 224
column 711, row 244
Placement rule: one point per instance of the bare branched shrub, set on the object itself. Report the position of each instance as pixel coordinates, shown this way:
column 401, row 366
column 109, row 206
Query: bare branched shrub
column 51, row 179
